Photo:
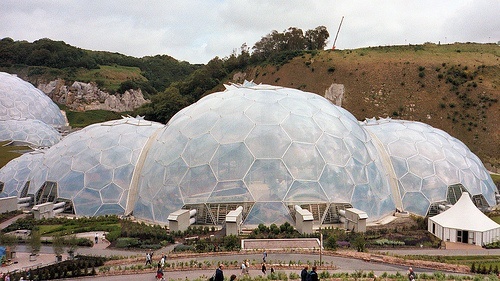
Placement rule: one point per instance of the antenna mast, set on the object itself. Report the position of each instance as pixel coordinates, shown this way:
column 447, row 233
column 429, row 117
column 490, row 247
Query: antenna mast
column 336, row 35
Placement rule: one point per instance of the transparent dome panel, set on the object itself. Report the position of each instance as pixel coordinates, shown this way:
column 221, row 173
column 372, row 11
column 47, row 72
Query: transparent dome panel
column 358, row 149
column 143, row 209
column 333, row 150
column 455, row 158
column 337, row 184
column 175, row 172
column 70, row 184
column 434, row 189
column 447, row 172
column 111, row 193
column 400, row 166
column 150, row 180
column 421, row 166
column 109, row 209
column 301, row 129
column 116, row 156
column 488, row 189
column 122, row 176
column 298, row 106
column 357, row 171
column 267, row 114
column 228, row 192
column 268, row 141
column 411, row 182
column 167, row 200
column 200, row 124
column 415, row 202
column 231, row 161
column 268, row 213
column 200, row 150
column 363, row 199
column 101, row 140
column 305, row 192
column 268, row 180
column 470, row 182
column 331, row 125
column 304, row 161
column 233, row 128
column 87, row 202
column 98, row 177
column 410, row 135
column 430, row 150
column 402, row 149
column 197, row 184
column 85, row 160
column 175, row 143
column 234, row 105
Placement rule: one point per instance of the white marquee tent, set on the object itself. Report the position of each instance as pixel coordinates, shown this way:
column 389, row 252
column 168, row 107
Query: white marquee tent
column 464, row 223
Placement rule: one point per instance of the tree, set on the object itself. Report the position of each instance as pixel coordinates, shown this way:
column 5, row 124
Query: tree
column 316, row 38
column 58, row 242
column 35, row 241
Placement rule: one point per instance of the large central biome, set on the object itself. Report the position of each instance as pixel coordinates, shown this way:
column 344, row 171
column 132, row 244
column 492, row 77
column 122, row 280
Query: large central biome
column 262, row 147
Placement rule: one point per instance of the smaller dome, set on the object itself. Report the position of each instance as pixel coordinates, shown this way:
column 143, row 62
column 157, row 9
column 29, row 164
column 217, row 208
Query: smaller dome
column 30, row 132
column 14, row 175
column 21, row 100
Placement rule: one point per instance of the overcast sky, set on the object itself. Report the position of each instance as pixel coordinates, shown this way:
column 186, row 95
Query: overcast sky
column 197, row 31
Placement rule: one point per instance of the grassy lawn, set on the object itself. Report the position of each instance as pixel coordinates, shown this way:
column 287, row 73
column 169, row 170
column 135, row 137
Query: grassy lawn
column 67, row 229
column 82, row 119
column 110, row 77
column 8, row 153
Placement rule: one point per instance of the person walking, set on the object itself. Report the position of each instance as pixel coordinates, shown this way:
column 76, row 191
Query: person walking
column 243, row 268
column 264, row 256
column 264, row 269
column 304, row 273
column 219, row 273
column 313, row 276
column 411, row 274
column 148, row 259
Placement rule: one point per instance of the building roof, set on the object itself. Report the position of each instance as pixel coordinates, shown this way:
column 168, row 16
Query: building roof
column 465, row 215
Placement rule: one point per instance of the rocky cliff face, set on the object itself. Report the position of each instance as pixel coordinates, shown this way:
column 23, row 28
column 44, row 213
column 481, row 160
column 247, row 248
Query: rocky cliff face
column 87, row 96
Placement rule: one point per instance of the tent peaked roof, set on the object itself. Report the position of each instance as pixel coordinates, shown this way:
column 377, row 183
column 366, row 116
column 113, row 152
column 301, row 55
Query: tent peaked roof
column 465, row 215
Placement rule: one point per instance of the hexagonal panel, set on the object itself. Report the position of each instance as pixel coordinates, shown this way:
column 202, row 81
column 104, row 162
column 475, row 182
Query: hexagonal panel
column 331, row 125
column 447, row 172
column 70, row 184
column 200, row 150
column 87, row 202
column 333, row 150
column 402, row 148
column 434, row 189
column 98, row 177
column 303, row 192
column 268, row 180
column 85, row 160
column 268, row 141
column 197, row 184
column 268, row 213
column 304, row 161
column 298, row 106
column 430, row 150
column 420, row 166
column 200, row 124
column 267, row 114
column 111, row 193
column 337, row 184
column 228, row 192
column 232, row 128
column 301, row 129
column 416, row 202
column 231, row 161
column 411, row 182
column 116, row 156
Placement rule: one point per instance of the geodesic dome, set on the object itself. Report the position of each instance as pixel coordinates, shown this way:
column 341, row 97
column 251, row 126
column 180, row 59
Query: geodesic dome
column 266, row 148
column 30, row 132
column 20, row 100
column 14, row 176
column 92, row 168
column 427, row 161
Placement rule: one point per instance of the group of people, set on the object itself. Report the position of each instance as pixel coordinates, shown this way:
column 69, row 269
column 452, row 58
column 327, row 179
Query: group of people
column 306, row 275
column 160, row 265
